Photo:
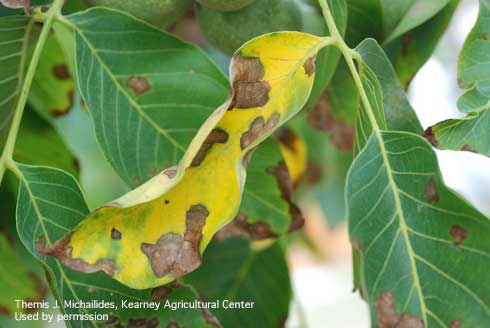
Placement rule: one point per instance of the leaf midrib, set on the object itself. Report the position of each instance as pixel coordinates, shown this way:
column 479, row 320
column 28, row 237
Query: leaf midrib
column 402, row 223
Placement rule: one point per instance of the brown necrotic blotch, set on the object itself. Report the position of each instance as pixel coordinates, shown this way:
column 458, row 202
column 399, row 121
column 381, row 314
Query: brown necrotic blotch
column 63, row 253
column 160, row 293
column 431, row 193
column 249, row 89
column 116, row 234
column 456, row 323
column 258, row 128
column 388, row 317
column 241, row 227
column 323, row 118
column 61, row 72
column 175, row 255
column 309, row 66
column 458, row 234
column 171, row 172
column 216, row 136
column 138, row 84
column 430, row 137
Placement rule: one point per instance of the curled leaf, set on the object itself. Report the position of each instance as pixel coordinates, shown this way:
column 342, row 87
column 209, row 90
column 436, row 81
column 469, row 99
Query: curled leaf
column 164, row 237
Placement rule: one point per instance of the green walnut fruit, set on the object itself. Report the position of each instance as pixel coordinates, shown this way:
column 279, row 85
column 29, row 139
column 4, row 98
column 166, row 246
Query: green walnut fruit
column 226, row 5
column 161, row 13
column 227, row 31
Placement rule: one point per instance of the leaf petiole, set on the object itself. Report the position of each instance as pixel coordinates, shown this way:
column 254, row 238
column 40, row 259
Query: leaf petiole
column 350, row 55
column 6, row 160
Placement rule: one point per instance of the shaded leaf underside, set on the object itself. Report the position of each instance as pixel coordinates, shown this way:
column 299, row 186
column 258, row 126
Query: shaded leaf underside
column 471, row 132
column 14, row 36
column 420, row 243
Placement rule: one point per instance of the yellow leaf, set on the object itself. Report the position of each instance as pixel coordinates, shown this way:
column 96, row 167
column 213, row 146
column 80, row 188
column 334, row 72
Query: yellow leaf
column 293, row 149
column 158, row 231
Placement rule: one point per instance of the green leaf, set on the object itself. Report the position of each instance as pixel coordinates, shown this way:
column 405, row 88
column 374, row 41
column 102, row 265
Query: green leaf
column 473, row 66
column 365, row 21
column 400, row 116
column 405, row 52
column 267, row 209
column 386, row 21
column 425, row 252
column 418, row 22
column 40, row 144
column 342, row 95
column 467, row 134
column 17, row 281
column 416, row 13
column 52, row 91
column 14, row 41
column 51, row 203
column 138, row 82
column 233, row 271
column 177, row 203
column 328, row 58
column 374, row 93
column 470, row 133
column 327, row 170
column 262, row 201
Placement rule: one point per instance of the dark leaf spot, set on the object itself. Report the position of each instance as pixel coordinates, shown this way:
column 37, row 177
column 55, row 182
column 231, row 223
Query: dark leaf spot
column 456, row 323
column 76, row 165
column 309, row 66
column 160, row 293
column 431, row 193
column 63, row 254
column 166, row 201
column 249, row 90
column 258, row 128
column 215, row 136
column 386, row 310
column 468, row 148
column 248, row 156
column 171, row 172
column 210, row 318
column 484, row 36
column 176, row 283
column 430, row 137
column 458, row 234
column 286, row 136
column 314, row 173
column 15, row 4
column 152, row 170
column 58, row 112
column 356, row 244
column 173, row 325
column 137, row 181
column 406, row 42
column 116, row 234
column 142, row 323
column 410, row 321
column 175, row 255
column 322, row 117
column 138, row 84
column 240, row 227
column 61, row 72
column 388, row 317
column 4, row 310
